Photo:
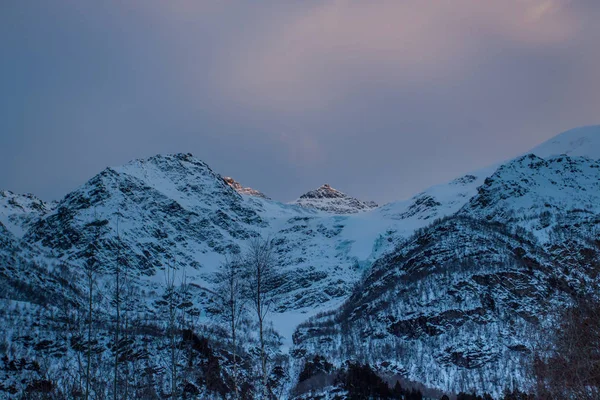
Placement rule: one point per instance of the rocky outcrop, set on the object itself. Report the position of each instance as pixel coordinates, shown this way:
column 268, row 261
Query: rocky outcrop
column 243, row 190
column 330, row 200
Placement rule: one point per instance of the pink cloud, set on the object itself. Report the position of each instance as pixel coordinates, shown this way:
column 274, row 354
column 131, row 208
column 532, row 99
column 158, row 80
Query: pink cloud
column 312, row 58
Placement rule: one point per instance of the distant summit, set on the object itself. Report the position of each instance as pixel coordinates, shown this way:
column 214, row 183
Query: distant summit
column 244, row 190
column 328, row 199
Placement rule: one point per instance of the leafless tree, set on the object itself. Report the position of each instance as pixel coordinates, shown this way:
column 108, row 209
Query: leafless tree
column 128, row 305
column 229, row 301
column 117, row 304
column 170, row 305
column 91, row 269
column 261, row 280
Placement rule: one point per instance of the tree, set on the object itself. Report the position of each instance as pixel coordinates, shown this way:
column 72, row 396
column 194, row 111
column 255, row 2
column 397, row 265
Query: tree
column 229, row 300
column 91, row 269
column 398, row 391
column 261, row 280
column 572, row 367
column 515, row 394
column 361, row 382
column 317, row 365
column 170, row 302
column 117, row 301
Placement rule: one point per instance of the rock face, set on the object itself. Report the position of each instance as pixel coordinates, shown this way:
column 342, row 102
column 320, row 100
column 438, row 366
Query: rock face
column 25, row 276
column 330, row 200
column 19, row 211
column 243, row 190
column 449, row 288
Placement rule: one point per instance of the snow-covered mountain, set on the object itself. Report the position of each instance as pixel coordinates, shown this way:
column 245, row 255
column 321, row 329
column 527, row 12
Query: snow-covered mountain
column 175, row 210
column 328, row 199
column 457, row 279
column 463, row 300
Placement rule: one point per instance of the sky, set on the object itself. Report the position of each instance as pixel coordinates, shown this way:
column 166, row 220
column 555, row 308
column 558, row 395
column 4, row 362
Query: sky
column 381, row 99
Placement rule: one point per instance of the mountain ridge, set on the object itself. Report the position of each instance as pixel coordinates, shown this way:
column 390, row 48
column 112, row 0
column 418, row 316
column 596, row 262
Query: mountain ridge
column 468, row 252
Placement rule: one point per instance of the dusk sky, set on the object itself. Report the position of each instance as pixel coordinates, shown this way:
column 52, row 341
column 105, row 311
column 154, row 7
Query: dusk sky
column 380, row 99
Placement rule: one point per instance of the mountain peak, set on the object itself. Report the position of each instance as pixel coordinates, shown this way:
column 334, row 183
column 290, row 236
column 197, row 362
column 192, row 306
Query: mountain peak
column 324, row 192
column 578, row 142
column 326, row 198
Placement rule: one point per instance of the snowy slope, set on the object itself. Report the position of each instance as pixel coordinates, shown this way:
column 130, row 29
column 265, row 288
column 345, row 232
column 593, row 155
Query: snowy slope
column 531, row 191
column 578, row 142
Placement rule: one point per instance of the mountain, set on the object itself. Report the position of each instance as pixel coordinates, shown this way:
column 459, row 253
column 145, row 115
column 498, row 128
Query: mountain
column 330, row 200
column 158, row 205
column 465, row 300
column 174, row 210
column 243, row 190
column 450, row 288
column 461, row 305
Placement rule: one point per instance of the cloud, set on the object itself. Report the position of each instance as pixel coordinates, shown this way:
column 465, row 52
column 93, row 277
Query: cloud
column 302, row 149
column 381, row 98
column 317, row 56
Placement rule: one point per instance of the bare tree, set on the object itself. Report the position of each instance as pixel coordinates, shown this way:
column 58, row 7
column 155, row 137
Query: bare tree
column 261, row 281
column 170, row 302
column 189, row 312
column 117, row 302
column 128, row 300
column 91, row 268
column 229, row 301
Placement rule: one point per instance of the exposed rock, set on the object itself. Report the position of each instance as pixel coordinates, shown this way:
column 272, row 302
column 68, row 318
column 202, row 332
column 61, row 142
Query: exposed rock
column 330, row 200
